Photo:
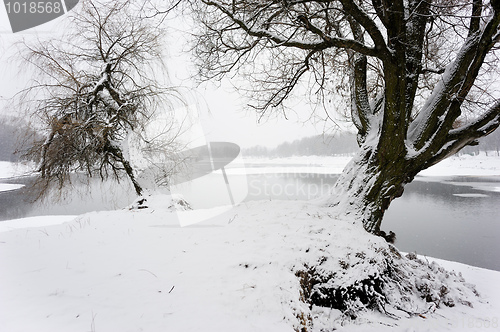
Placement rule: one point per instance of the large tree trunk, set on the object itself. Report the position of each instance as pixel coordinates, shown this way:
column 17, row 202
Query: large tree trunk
column 368, row 184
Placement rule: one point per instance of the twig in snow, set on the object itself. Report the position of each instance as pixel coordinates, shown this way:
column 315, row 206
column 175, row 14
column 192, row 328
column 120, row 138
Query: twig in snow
column 149, row 272
column 232, row 219
column 92, row 323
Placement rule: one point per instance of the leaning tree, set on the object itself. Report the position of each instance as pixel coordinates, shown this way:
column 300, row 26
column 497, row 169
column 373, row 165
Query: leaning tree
column 420, row 75
column 94, row 87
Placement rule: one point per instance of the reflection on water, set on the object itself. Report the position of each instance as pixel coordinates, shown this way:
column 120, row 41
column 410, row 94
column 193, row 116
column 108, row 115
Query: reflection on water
column 447, row 219
column 79, row 199
column 433, row 219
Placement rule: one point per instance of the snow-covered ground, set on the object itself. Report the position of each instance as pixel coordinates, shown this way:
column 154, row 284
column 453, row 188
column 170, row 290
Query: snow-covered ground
column 8, row 186
column 466, row 165
column 34, row 222
column 9, row 170
column 138, row 270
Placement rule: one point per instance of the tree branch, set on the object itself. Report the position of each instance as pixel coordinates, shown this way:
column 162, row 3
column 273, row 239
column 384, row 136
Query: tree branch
column 467, row 135
column 482, row 126
column 370, row 26
column 475, row 21
column 329, row 42
column 443, row 107
column 360, row 105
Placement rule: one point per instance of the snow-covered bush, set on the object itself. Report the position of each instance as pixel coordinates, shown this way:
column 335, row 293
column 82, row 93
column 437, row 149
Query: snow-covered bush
column 383, row 280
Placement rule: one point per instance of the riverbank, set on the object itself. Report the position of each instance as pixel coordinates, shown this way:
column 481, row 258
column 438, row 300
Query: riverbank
column 463, row 165
column 138, row 270
column 12, row 170
column 459, row 165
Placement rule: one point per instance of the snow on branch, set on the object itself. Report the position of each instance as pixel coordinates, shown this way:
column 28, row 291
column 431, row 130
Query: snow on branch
column 457, row 81
column 482, row 126
column 370, row 26
column 468, row 135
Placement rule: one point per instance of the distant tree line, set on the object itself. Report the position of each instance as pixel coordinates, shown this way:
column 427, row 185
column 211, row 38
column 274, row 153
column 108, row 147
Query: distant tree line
column 8, row 142
column 345, row 143
column 12, row 134
column 489, row 145
column 319, row 145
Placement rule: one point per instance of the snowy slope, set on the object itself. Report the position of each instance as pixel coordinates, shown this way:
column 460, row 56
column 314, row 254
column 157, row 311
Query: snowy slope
column 138, row 270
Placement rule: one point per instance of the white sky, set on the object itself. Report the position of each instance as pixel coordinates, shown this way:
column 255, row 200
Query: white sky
column 222, row 114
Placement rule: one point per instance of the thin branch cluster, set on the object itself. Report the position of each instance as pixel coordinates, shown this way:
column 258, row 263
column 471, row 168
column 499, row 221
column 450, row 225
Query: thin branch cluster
column 367, row 48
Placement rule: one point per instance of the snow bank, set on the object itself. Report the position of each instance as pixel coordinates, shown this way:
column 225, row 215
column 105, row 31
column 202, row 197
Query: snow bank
column 9, row 170
column 471, row 195
column 8, row 186
column 300, row 164
column 137, row 270
column 464, row 165
column 32, row 222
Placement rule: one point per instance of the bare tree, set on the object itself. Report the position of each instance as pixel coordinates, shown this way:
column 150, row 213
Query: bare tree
column 95, row 86
column 420, row 75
